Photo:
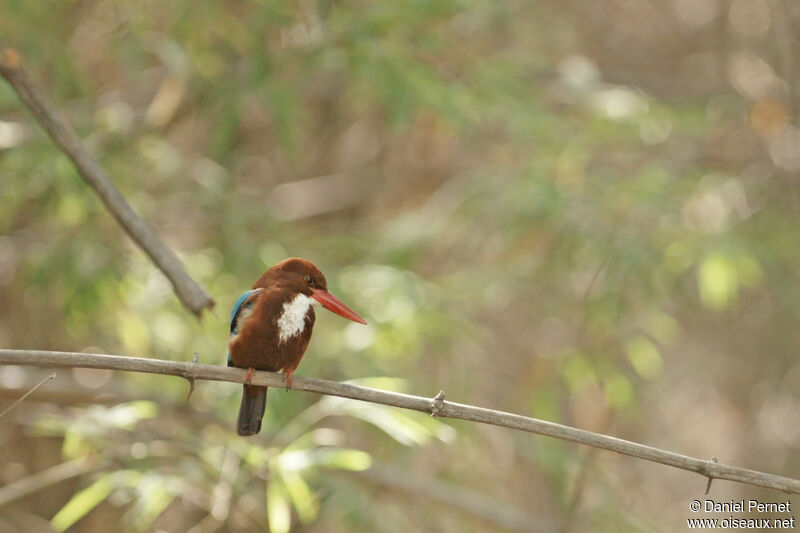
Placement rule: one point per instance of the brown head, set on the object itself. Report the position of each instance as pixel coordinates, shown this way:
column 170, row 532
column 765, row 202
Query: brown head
column 302, row 276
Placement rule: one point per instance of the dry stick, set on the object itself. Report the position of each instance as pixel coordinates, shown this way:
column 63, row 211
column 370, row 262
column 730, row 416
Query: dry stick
column 191, row 293
column 191, row 371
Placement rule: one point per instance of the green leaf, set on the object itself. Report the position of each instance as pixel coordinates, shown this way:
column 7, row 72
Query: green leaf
column 400, row 426
column 74, row 445
column 127, row 415
column 303, row 499
column 718, row 281
column 278, row 511
column 619, row 392
column 154, row 498
column 645, row 357
column 663, row 327
column 133, row 332
column 406, row 427
column 297, row 460
column 82, row 502
column 344, row 459
column 578, row 371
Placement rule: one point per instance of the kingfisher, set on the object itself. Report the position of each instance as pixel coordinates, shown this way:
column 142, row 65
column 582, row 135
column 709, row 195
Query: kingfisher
column 270, row 328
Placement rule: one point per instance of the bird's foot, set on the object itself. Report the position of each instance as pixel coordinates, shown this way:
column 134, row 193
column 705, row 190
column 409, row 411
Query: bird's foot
column 289, row 379
column 249, row 376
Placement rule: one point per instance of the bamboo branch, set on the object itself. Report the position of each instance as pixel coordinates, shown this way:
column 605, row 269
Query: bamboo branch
column 190, row 293
column 437, row 405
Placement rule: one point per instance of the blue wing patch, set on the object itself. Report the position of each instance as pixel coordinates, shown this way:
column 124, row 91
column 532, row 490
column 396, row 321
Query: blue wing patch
column 237, row 308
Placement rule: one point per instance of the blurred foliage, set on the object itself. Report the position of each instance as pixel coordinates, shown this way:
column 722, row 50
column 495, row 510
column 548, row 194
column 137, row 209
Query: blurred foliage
column 582, row 211
column 302, row 450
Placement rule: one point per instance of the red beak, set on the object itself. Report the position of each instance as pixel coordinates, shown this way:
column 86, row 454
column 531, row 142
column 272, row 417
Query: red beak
column 332, row 303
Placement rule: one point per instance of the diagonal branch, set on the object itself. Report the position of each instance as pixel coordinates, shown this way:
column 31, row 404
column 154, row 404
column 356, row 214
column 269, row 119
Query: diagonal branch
column 45, row 479
column 191, row 293
column 444, row 409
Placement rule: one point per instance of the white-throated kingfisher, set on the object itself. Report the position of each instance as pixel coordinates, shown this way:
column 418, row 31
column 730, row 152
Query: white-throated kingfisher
column 270, row 328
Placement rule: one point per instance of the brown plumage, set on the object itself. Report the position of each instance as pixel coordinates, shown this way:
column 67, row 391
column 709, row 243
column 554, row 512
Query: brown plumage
column 271, row 326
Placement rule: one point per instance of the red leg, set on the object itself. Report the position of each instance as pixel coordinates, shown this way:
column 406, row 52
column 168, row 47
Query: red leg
column 249, row 377
column 288, row 373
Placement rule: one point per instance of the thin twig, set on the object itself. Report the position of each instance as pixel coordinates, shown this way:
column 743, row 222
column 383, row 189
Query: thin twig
column 710, row 479
column 706, row 468
column 22, row 398
column 190, row 292
column 191, row 379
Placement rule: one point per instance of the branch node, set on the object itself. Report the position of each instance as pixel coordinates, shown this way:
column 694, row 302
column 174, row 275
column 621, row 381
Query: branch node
column 709, row 473
column 437, row 404
column 189, row 375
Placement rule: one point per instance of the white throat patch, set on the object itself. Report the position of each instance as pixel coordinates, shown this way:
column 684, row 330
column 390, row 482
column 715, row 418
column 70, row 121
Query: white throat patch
column 293, row 319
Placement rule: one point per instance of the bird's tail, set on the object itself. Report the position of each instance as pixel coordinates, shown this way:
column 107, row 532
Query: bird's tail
column 251, row 410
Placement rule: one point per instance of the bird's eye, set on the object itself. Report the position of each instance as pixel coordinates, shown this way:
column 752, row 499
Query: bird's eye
column 309, row 280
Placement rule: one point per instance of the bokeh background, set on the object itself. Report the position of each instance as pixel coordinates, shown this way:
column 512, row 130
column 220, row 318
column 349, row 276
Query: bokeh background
column 582, row 211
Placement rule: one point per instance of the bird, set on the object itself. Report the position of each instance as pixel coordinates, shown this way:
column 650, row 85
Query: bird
column 270, row 328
